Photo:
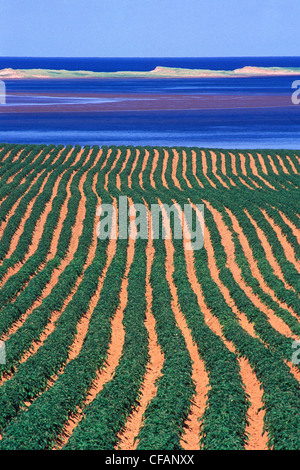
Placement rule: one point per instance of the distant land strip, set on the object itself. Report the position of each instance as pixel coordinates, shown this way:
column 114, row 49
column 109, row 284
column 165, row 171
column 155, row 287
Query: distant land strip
column 158, row 72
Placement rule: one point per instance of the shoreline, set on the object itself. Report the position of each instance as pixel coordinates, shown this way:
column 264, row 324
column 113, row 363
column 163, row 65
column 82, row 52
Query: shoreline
column 158, row 72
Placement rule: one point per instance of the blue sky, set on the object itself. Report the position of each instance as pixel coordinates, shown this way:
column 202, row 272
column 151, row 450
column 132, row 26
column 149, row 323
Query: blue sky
column 149, row 28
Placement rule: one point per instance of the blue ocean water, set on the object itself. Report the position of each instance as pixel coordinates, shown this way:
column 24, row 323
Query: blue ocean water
column 42, row 111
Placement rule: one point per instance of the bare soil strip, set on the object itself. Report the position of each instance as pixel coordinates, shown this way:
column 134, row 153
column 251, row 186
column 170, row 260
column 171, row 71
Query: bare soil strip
column 253, row 263
column 118, row 179
column 233, row 165
column 194, row 166
column 295, row 230
column 214, row 169
column 184, row 167
column 190, row 440
column 19, row 231
column 133, row 168
column 244, row 171
column 76, row 232
column 174, row 169
column 115, row 347
column 83, row 325
column 16, row 157
column 226, row 239
column 223, row 169
column 106, row 159
column 255, row 172
column 204, row 169
column 257, row 438
column 54, row 277
column 214, row 271
column 254, row 429
column 262, row 163
column 243, row 164
column 111, row 168
column 38, row 230
column 128, row 436
column 294, row 370
column 165, row 164
column 297, row 158
column 37, row 234
column 153, row 168
column 145, row 160
column 74, row 350
column 292, row 164
column 268, row 251
column 4, row 223
column 288, row 248
column 12, row 177
column 284, row 168
column 6, row 156
column 31, row 163
column 272, row 165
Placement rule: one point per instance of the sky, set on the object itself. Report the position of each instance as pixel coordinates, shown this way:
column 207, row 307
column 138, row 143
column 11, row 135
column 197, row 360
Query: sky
column 149, row 28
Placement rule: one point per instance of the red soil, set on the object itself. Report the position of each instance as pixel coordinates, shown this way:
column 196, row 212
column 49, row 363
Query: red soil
column 6, row 156
column 285, row 170
column 37, row 234
column 165, row 163
column 154, row 165
column 115, row 347
column 118, row 179
column 145, row 160
column 227, row 242
column 272, row 165
column 4, row 223
column 255, row 172
column 243, row 164
column 214, row 271
column 288, row 248
column 262, row 163
column 194, row 166
column 111, row 168
column 254, row 429
column 190, row 439
column 76, row 232
column 223, row 169
column 20, row 229
column 268, row 251
column 244, row 171
column 106, row 159
column 128, row 436
column 174, row 169
column 292, row 164
column 214, row 169
column 295, row 230
column 133, row 168
column 204, row 169
column 184, row 169
column 233, row 165
column 253, row 263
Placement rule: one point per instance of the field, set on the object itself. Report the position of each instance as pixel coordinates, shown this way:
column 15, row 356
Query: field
column 141, row 343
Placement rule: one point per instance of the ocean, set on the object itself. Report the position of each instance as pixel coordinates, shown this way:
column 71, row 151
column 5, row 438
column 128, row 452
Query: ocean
column 239, row 112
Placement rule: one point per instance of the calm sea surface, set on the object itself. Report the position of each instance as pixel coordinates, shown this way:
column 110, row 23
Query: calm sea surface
column 217, row 112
